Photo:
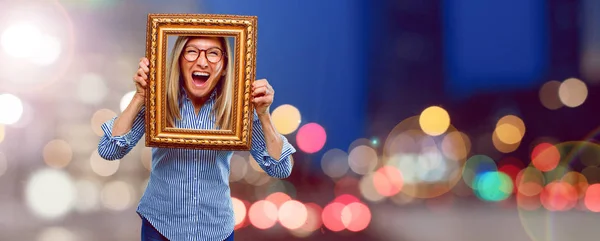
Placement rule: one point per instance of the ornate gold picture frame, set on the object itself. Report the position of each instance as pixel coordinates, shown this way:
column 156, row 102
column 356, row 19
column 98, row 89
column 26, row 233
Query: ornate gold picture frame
column 163, row 39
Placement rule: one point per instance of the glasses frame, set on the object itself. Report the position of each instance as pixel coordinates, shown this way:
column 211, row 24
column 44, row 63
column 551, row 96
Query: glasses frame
column 200, row 51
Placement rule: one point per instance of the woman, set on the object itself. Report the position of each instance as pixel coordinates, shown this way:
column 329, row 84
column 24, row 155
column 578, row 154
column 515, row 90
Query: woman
column 188, row 194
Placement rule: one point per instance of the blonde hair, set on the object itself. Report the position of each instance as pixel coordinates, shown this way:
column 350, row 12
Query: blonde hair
column 224, row 101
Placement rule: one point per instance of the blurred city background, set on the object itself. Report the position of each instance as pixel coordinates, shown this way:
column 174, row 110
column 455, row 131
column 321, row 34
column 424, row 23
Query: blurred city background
column 414, row 120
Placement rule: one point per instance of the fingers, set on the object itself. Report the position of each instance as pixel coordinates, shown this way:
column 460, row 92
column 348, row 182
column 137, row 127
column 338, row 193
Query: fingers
column 259, row 83
column 263, row 90
column 141, row 76
column 145, row 61
column 144, row 67
column 262, row 100
column 142, row 73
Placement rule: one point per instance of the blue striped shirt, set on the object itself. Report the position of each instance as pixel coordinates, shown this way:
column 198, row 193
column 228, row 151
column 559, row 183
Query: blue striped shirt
column 188, row 195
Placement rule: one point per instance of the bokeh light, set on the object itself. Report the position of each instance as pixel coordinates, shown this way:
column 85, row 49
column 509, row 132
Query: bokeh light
column 334, row 163
column 146, row 159
column 263, row 214
column 313, row 221
column 475, row 166
column 88, row 195
column 20, row 39
column 239, row 210
column 91, row 89
column 47, row 50
column 356, row 216
column 50, row 193
column 12, row 109
column 549, row 95
column 2, row 132
column 238, row 167
column 493, row 186
column 456, row 145
column 117, row 195
column 558, row 196
column 592, row 198
column 434, row 120
column 572, row 92
column 99, row 117
column 103, row 167
column 311, row 138
column 578, row 181
column 125, row 100
column 367, row 188
column 510, row 129
column 286, row 119
column 292, row 214
column 545, row 157
column 388, row 181
column 530, row 181
column 57, row 153
column 332, row 216
column 363, row 159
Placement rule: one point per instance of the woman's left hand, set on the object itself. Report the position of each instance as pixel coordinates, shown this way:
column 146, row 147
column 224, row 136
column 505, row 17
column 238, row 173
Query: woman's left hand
column 262, row 93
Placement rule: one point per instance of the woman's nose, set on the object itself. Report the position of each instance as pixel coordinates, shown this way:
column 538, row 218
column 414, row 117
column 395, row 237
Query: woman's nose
column 202, row 61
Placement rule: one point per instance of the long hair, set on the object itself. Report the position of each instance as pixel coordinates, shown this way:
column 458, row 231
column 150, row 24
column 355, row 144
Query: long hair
column 224, row 101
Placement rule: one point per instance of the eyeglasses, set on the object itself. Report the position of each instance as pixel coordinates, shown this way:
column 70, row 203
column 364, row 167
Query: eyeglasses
column 213, row 55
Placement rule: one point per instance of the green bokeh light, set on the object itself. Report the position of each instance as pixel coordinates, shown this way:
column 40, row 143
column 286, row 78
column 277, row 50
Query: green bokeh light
column 493, row 186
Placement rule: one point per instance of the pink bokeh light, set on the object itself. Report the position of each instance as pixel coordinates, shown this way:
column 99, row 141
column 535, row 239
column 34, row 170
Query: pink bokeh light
column 311, row 138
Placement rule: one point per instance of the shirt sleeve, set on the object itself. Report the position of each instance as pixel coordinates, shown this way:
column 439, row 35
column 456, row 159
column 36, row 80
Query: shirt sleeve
column 116, row 147
column 281, row 168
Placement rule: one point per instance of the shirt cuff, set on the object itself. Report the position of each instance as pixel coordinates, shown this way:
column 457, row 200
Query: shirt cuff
column 124, row 140
column 286, row 151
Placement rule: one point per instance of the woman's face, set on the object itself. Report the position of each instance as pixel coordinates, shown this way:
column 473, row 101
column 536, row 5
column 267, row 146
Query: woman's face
column 202, row 64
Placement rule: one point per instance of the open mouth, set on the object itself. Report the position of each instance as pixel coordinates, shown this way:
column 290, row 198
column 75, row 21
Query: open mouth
column 200, row 78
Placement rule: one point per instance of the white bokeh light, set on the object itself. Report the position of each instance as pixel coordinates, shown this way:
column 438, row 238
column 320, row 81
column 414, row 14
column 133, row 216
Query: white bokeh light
column 88, row 196
column 92, row 89
column 11, row 109
column 117, row 195
column 48, row 51
column 21, row 40
column 126, row 99
column 50, row 193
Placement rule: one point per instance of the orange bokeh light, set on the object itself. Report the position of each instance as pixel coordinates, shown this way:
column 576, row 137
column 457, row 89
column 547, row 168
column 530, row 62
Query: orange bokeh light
column 559, row 196
column 292, row 214
column 388, row 181
column 239, row 209
column 263, row 214
column 545, row 157
column 332, row 216
column 592, row 198
column 356, row 217
column 278, row 198
column 313, row 219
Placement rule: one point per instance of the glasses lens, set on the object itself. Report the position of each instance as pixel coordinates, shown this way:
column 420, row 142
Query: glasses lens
column 214, row 55
column 191, row 54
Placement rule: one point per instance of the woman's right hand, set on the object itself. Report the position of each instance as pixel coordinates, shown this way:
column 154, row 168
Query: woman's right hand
column 141, row 78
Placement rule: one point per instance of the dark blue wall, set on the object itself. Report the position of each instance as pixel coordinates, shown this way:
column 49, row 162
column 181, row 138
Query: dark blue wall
column 495, row 45
column 312, row 52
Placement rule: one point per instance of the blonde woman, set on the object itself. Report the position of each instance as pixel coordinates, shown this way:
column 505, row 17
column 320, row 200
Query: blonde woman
column 188, row 194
